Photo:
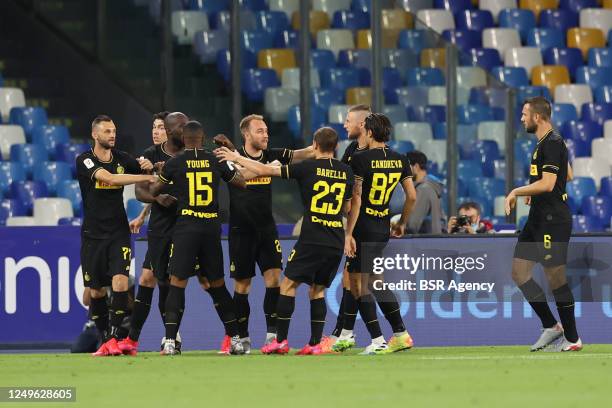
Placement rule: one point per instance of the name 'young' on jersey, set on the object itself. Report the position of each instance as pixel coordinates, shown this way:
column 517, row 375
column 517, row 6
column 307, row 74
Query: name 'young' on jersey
column 380, row 170
column 325, row 184
column 550, row 156
column 195, row 174
column 104, row 213
column 162, row 218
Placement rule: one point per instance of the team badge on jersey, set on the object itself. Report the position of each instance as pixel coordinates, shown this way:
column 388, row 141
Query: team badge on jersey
column 120, row 169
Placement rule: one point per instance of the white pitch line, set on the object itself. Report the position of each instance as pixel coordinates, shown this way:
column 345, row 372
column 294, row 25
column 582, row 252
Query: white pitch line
column 540, row 356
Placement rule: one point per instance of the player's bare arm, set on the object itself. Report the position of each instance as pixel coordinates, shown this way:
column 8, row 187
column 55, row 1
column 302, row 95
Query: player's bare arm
column 138, row 222
column 350, row 247
column 303, row 154
column 122, row 179
column 253, row 168
column 144, row 195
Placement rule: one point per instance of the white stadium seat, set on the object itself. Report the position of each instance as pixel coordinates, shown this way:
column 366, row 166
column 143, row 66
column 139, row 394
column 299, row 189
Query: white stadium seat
column 501, row 39
column 495, row 6
column 436, row 19
column 10, row 135
column 608, row 129
column 602, row 148
column 186, row 23
column 436, row 95
column 48, row 211
column 526, row 57
column 337, row 113
column 596, row 18
column 493, row 130
column 575, row 94
column 596, row 168
column 435, row 151
column 20, row 222
column 470, row 77
column 419, row 133
column 291, row 78
column 335, row 40
column 277, row 102
column 499, row 208
column 9, row 99
column 129, row 192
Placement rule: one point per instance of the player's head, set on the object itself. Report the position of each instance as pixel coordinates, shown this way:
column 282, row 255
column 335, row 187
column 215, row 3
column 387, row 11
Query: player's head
column 174, row 123
column 254, row 131
column 418, row 161
column 354, row 120
column 159, row 130
column 378, row 127
column 193, row 134
column 536, row 112
column 103, row 131
column 325, row 140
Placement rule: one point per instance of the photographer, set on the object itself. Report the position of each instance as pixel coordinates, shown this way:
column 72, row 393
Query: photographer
column 468, row 221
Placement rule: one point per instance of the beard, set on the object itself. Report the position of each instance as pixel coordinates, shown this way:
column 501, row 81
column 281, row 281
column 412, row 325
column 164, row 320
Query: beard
column 531, row 127
column 105, row 144
column 354, row 134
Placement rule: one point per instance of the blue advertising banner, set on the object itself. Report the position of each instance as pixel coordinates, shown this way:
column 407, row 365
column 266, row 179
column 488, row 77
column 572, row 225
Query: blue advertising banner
column 41, row 289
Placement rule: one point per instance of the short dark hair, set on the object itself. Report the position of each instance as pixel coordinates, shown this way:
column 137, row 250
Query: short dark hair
column 380, row 125
column 417, row 157
column 360, row 108
column 470, row 204
column 192, row 129
column 539, row 105
column 160, row 115
column 326, row 138
column 99, row 119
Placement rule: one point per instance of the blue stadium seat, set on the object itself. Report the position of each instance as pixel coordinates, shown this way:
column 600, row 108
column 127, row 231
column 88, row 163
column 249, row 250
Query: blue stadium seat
column 487, row 58
column 254, row 5
column 474, row 114
column 357, row 58
column 206, row 44
column 395, row 113
column 223, row 20
column 545, row 38
column 577, row 5
column 577, row 148
column 256, row 40
column 52, row 173
column 484, row 151
column 318, row 118
column 340, row 130
column 511, row 76
column 28, row 155
column 486, row 189
column 69, row 152
column 409, row 96
column 392, row 80
column 523, row 148
column 322, row 59
column 596, row 112
column 350, row 19
column 484, row 95
column 525, row 92
column 595, row 77
column 424, row 77
column 287, row 39
column 600, row 208
column 429, row 113
column 28, row 118
column 400, row 59
column 581, row 131
column 562, row 20
column 27, row 191
column 134, row 207
column 50, row 136
column 401, row 146
column 600, row 57
column 465, row 133
column 585, row 223
column 271, row 21
column 70, row 221
column 605, row 189
column 361, row 5
column 255, row 81
column 340, row 78
column 521, row 20
column 453, row 6
column 9, row 172
column 581, row 187
column 463, row 39
column 563, row 112
column 474, row 20
column 570, row 57
column 11, row 208
column 224, row 67
column 70, row 189
column 468, row 170
column 417, row 40
column 209, row 6
column 323, row 98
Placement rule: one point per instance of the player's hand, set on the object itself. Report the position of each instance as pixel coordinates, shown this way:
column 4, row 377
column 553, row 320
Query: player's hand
column 223, row 141
column 158, row 166
column 135, row 224
column 350, row 246
column 145, row 164
column 510, row 202
column 165, row 200
column 527, row 200
column 225, row 154
column 397, row 230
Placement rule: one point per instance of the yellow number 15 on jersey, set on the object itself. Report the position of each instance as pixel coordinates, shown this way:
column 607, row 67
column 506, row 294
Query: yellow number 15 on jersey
column 200, row 193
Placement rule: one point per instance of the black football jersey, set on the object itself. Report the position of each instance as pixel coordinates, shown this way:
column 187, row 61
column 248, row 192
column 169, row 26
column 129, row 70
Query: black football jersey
column 195, row 174
column 252, row 207
column 352, row 149
column 162, row 218
column 325, row 185
column 380, row 170
column 550, row 155
column 104, row 212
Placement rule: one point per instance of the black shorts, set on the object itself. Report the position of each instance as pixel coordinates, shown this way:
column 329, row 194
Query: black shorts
column 249, row 247
column 159, row 254
column 101, row 259
column 190, row 249
column 369, row 246
column 313, row 264
column 545, row 243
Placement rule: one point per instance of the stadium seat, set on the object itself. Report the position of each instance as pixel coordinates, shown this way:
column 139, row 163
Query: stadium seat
column 359, row 96
column 526, row 57
column 435, row 19
column 474, row 114
column 335, row 40
column 484, row 151
column 562, row 20
column 453, row 6
column 596, row 18
column 254, row 5
column 340, row 78
column 319, row 20
column 545, row 38
column 395, row 113
column 537, row 6
column 27, row 191
column 52, row 173
column 600, row 208
column 476, row 20
column 224, row 62
column 523, row 148
column 521, row 20
column 436, row 95
column 608, row 129
column 585, row 38
column 256, row 40
column 409, row 96
column 402, row 147
column 487, row 58
column 511, row 76
column 355, row 59
column 577, row 148
column 276, row 59
column 600, row 57
column 47, row 211
column 206, row 44
column 435, row 151
column 337, row 113
column 496, row 6
column 575, row 94
column 277, row 102
column 287, row 39
column 318, row 118
column 577, row 5
column 486, row 189
column 606, row 187
column 591, row 167
column 291, row 78
column 468, row 169
column 10, row 135
column 186, row 23
column 70, row 221
column 597, row 112
column 286, row 6
column 9, row 172
column 209, row 6
column 255, row 81
column 222, row 20
column 70, row 190
column 463, row 39
column 10, row 98
column 433, row 58
column 485, row 95
column 417, row 40
column 570, row 57
column 10, row 208
column 324, row 98
column 501, row 39
column 581, row 187
column 415, row 5
column 322, row 59
column 350, row 20
column 28, row 155
column 582, row 130
column 50, row 136
column 28, row 118
column 69, row 152
column 424, row 77
column 602, row 148
column 417, row 132
column 331, row 6
column 429, row 113
column 399, row 59
column 563, row 112
column 272, row 22
column 396, row 20
column 21, row 221
column 493, row 130
column 550, row 76
column 595, row 77
column 586, row 224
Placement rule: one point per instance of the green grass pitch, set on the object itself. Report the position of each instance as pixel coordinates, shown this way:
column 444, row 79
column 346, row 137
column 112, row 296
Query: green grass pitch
column 422, row 377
